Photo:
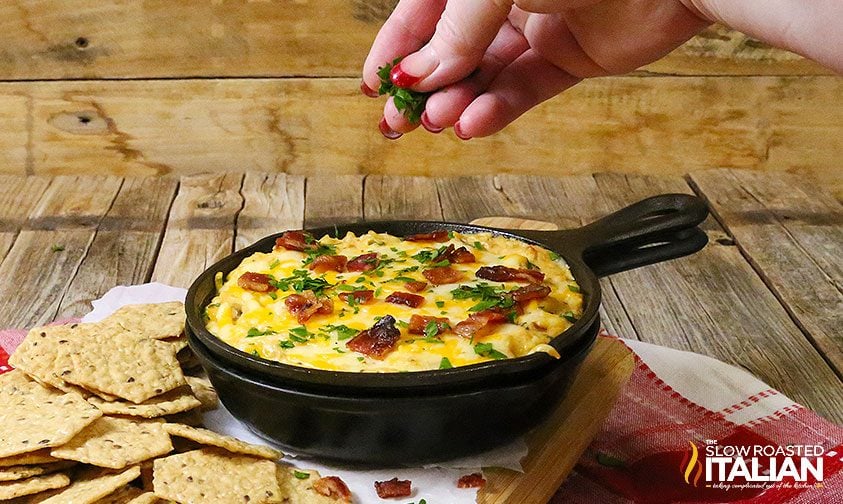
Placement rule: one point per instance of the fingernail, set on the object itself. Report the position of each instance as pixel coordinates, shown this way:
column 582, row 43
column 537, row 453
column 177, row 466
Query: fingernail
column 387, row 131
column 459, row 133
column 366, row 90
column 413, row 68
column 425, row 122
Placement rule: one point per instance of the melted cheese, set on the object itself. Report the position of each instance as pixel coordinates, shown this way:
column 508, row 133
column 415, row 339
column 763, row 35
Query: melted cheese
column 259, row 323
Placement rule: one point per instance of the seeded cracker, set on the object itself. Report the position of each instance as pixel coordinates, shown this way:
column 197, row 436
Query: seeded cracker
column 129, row 494
column 14, row 473
column 92, row 486
column 34, row 417
column 29, row 486
column 299, row 490
column 156, row 321
column 129, row 366
column 116, row 443
column 211, row 438
column 204, row 392
column 212, row 477
column 31, row 458
column 42, row 353
column 169, row 403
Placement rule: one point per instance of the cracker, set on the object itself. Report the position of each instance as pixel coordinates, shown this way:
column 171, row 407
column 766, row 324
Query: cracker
column 228, row 443
column 156, row 321
column 169, row 403
column 128, row 366
column 13, row 377
column 14, row 473
column 129, row 495
column 93, row 485
column 31, row 458
column 192, row 418
column 29, row 486
column 41, row 354
column 116, row 443
column 300, row 490
column 34, row 417
column 204, row 392
column 210, row 477
column 179, row 343
column 144, row 498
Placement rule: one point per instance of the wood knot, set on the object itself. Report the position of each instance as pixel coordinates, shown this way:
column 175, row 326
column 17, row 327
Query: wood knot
column 81, row 43
column 82, row 122
column 210, row 203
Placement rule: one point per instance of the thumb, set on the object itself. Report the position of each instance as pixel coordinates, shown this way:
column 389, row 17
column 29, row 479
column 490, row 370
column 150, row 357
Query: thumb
column 463, row 34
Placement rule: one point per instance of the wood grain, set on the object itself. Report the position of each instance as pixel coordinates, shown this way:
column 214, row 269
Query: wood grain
column 200, row 228
column 271, row 203
column 654, row 125
column 396, row 198
column 333, row 200
column 46, row 254
column 792, row 233
column 125, row 246
column 18, row 197
column 52, row 39
column 556, row 445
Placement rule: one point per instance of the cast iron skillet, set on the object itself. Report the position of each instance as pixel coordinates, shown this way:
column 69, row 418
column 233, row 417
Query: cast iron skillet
column 653, row 230
column 410, row 418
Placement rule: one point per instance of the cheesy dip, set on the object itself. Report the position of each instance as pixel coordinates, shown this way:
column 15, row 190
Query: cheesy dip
column 381, row 303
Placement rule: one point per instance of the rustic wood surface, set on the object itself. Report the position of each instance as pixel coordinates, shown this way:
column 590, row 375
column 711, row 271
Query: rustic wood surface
column 656, row 125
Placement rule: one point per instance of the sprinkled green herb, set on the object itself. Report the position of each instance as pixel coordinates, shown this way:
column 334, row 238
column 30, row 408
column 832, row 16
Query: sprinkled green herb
column 57, row 248
column 301, row 281
column 554, row 256
column 404, row 279
column 274, row 263
column 440, row 264
column 479, row 246
column 408, row 102
column 431, row 329
column 301, row 475
column 450, row 235
column 424, row 256
column 273, row 295
column 320, row 250
column 359, row 279
column 440, row 304
column 286, row 344
column 343, row 332
column 378, row 292
column 401, row 323
column 254, row 332
column 573, row 288
column 445, row 363
column 339, row 350
column 361, row 359
column 569, row 316
column 301, row 332
column 487, row 350
column 408, row 270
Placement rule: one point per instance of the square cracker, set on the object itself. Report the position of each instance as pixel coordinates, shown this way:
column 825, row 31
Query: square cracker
column 14, row 473
column 213, row 477
column 204, row 392
column 29, row 486
column 156, row 321
column 116, row 443
column 168, row 403
column 35, row 417
column 125, row 365
column 92, row 485
column 228, row 443
column 41, row 354
column 130, row 495
column 31, row 458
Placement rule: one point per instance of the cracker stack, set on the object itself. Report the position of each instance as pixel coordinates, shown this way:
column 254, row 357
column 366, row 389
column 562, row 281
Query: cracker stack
column 99, row 413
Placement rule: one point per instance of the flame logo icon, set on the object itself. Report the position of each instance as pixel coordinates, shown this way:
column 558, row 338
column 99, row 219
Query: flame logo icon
column 691, row 465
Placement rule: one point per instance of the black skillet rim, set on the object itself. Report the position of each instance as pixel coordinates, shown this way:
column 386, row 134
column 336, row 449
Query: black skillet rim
column 506, row 369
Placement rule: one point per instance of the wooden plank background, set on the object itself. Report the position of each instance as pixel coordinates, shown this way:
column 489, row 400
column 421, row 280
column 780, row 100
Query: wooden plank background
column 156, row 87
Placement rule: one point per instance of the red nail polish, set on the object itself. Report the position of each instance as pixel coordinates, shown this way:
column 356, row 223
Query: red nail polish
column 366, row 90
column 387, row 131
column 459, row 133
column 425, row 122
column 401, row 78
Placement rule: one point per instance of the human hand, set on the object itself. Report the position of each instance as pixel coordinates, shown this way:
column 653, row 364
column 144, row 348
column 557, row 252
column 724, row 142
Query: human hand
column 486, row 62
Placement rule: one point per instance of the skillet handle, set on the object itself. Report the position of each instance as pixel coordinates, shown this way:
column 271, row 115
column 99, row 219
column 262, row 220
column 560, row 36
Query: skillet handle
column 653, row 230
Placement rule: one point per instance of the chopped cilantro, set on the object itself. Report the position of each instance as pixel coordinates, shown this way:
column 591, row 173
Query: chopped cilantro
column 320, row 250
column 573, row 288
column 274, row 263
column 339, row 350
column 487, row 350
column 431, row 329
column 445, row 363
column 273, row 295
column 361, row 359
column 425, row 255
column 401, row 323
column 408, row 102
column 286, row 344
column 343, row 332
column 378, row 292
column 301, row 281
column 255, row 332
column 569, row 316
column 440, row 264
column 554, row 256
column 479, row 246
column 440, row 304
column 359, row 279
column 404, row 279
column 450, row 235
column 301, row 475
column 408, row 270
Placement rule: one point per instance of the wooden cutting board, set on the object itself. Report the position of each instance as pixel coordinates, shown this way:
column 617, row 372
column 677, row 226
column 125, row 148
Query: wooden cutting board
column 557, row 444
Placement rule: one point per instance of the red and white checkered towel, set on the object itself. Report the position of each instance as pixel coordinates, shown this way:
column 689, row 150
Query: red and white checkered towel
column 674, row 399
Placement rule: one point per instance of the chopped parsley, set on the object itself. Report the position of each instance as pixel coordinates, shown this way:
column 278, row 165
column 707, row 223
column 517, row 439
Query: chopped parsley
column 301, row 475
column 320, row 250
column 286, row 344
column 273, row 295
column 254, row 332
column 554, row 256
column 440, row 264
column 404, row 279
column 424, row 256
column 343, row 332
column 445, row 363
column 300, row 334
column 486, row 296
column 487, row 350
column 440, row 304
column 301, row 281
column 479, row 246
column 408, row 102
column 431, row 329
column 408, row 270
column 573, row 288
column 569, row 316
column 274, row 263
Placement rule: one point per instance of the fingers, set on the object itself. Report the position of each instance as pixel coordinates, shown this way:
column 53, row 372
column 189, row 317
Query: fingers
column 394, row 123
column 528, row 81
column 444, row 108
column 410, row 25
column 462, row 35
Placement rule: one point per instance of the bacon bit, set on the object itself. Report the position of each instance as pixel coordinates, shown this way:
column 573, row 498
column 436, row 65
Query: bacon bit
column 418, row 323
column 455, row 255
column 332, row 486
column 360, row 297
column 393, row 488
column 405, row 298
column 528, row 292
column 378, row 340
column 435, row 236
column 296, row 240
column 507, row 274
column 365, row 262
column 325, row 263
column 306, row 305
column 256, row 282
column 443, row 275
column 415, row 286
column 475, row 480
column 480, row 323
